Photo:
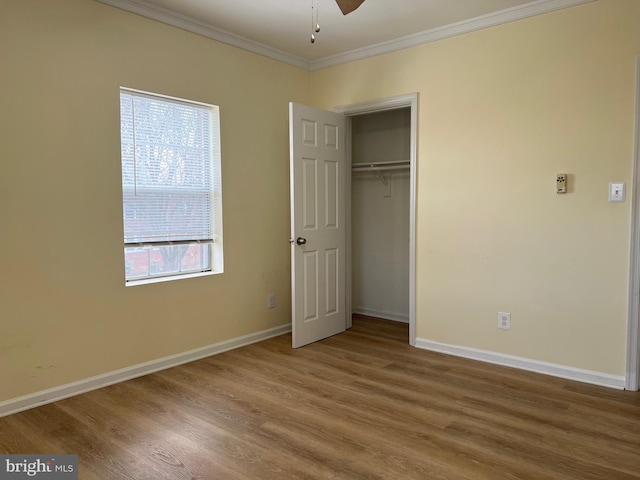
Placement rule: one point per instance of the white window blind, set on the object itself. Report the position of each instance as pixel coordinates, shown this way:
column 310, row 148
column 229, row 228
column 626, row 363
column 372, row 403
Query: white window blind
column 171, row 182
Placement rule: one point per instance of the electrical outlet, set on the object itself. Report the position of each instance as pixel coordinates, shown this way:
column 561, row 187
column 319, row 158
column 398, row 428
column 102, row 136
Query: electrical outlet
column 504, row 321
column 271, row 300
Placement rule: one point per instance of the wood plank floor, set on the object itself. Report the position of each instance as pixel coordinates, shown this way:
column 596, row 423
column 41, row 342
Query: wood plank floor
column 361, row 405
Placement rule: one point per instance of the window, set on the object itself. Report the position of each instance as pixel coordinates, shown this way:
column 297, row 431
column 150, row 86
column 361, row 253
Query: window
column 171, row 187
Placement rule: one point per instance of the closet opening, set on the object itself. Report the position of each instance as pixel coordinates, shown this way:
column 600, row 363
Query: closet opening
column 381, row 153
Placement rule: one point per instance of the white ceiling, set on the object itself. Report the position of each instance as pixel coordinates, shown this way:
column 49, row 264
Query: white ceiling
column 281, row 29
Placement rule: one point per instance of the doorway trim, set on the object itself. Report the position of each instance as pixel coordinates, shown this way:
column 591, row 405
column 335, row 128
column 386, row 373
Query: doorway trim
column 632, row 374
column 391, row 103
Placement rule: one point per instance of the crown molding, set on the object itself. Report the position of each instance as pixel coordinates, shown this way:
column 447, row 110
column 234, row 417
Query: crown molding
column 521, row 12
column 163, row 15
column 537, row 7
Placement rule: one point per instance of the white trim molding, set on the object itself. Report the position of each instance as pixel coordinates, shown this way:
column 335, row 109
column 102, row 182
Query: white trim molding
column 401, row 101
column 51, row 395
column 189, row 24
column 555, row 370
column 633, row 321
column 508, row 15
column 537, row 7
column 395, row 317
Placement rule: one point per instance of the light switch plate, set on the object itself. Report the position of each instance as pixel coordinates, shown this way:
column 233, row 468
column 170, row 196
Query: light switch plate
column 617, row 192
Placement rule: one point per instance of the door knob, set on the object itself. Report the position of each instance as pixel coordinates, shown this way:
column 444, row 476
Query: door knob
column 301, row 241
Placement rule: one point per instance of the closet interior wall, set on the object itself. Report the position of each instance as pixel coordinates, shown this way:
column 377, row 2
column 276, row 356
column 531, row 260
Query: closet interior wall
column 380, row 199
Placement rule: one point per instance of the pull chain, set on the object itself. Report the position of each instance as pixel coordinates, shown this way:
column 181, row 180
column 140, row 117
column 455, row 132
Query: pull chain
column 315, row 23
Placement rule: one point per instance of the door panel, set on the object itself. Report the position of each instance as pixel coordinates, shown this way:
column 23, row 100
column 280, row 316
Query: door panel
column 310, row 193
column 310, row 286
column 331, row 136
column 332, row 261
column 318, row 166
column 332, row 202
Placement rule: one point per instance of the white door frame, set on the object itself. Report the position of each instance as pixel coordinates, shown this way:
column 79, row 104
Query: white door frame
column 392, row 103
column 632, row 374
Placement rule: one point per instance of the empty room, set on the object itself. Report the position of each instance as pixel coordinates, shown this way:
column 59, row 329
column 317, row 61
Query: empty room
column 320, row 239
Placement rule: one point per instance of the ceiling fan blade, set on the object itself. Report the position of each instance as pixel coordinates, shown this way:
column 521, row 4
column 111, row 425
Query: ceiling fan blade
column 348, row 6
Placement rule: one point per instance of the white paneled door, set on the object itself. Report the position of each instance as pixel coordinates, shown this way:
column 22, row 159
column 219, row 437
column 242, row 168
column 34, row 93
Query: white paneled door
column 318, row 230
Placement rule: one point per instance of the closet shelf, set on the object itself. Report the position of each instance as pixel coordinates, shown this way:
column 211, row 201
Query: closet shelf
column 380, row 166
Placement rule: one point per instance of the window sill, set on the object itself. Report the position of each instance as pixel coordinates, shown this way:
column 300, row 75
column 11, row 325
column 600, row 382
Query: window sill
column 145, row 281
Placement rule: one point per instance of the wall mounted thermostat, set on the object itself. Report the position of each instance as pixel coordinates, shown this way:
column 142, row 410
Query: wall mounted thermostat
column 561, row 183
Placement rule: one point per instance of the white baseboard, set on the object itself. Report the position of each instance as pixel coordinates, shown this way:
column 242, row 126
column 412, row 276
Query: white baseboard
column 396, row 317
column 51, row 395
column 569, row 373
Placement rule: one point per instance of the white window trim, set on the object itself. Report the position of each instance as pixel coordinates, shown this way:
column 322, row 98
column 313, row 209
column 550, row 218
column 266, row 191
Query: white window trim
column 216, row 244
column 169, row 278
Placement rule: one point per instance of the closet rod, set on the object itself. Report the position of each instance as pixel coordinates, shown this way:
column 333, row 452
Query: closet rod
column 373, row 168
column 381, row 164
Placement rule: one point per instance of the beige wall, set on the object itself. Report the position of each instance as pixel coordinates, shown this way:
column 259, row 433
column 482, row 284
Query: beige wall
column 65, row 313
column 501, row 112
